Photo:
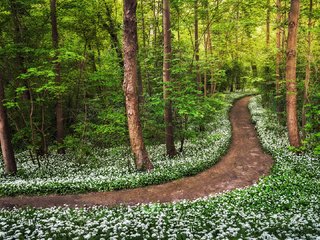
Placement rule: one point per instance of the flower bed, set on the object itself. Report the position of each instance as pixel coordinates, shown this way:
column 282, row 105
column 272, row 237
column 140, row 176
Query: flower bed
column 108, row 169
column 284, row 205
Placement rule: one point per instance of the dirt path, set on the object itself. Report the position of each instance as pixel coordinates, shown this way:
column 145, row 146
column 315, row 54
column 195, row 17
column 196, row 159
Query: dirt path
column 244, row 163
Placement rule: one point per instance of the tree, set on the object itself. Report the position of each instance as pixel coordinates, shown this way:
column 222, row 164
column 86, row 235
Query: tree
column 168, row 118
column 308, row 68
column 142, row 160
column 111, row 26
column 10, row 166
column 291, row 80
column 59, row 106
column 17, row 9
column 268, row 25
column 197, row 44
column 279, row 55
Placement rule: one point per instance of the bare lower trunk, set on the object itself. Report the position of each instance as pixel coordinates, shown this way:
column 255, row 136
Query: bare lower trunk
column 279, row 55
column 10, row 166
column 142, row 161
column 210, row 48
column 59, row 106
column 168, row 116
column 291, row 81
column 196, row 43
column 308, row 70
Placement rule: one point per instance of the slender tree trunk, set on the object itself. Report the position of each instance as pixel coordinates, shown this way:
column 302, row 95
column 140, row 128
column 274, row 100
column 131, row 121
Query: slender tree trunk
column 59, row 105
column 206, row 48
column 291, row 81
column 213, row 83
column 197, row 43
column 144, row 55
column 205, row 78
column 142, row 161
column 268, row 25
column 308, row 69
column 279, row 55
column 168, row 116
column 19, row 41
column 10, row 166
column 112, row 29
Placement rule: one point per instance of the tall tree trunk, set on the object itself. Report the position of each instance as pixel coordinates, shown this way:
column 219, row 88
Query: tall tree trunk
column 291, row 81
column 308, row 69
column 268, row 25
column 279, row 55
column 59, row 105
column 10, row 166
column 142, row 161
column 168, row 116
column 197, row 43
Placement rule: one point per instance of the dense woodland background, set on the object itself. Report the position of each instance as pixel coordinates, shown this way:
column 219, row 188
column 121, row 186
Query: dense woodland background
column 61, row 68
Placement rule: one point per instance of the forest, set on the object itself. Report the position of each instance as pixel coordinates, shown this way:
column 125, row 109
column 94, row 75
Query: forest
column 159, row 119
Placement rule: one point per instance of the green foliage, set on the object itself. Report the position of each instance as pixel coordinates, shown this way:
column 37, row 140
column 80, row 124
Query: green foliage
column 283, row 205
column 312, row 128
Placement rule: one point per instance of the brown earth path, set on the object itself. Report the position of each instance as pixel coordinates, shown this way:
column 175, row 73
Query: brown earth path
column 242, row 166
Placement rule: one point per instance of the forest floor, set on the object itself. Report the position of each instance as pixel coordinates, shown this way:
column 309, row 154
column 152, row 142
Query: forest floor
column 242, row 166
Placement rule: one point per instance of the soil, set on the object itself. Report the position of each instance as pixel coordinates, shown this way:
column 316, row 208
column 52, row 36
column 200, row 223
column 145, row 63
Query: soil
column 242, row 166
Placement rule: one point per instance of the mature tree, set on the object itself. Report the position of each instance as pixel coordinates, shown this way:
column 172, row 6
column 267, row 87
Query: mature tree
column 268, row 24
column 197, row 43
column 59, row 106
column 142, row 160
column 308, row 67
column 10, row 166
column 291, row 80
column 279, row 55
column 168, row 116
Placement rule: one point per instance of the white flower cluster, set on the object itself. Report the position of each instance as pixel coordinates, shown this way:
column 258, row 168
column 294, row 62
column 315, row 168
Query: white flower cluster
column 284, row 205
column 110, row 169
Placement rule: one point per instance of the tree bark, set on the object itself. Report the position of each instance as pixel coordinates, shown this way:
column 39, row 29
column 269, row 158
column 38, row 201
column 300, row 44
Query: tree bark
column 168, row 116
column 10, row 166
column 142, row 161
column 308, row 69
column 279, row 55
column 196, row 44
column 59, row 105
column 291, row 81
column 111, row 28
column 268, row 25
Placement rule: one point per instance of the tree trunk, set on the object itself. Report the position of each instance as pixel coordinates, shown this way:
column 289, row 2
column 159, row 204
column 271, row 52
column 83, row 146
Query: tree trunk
column 10, row 166
column 168, row 118
column 59, row 105
column 291, row 81
column 18, row 39
column 111, row 28
column 196, row 44
column 142, row 161
column 268, row 25
column 279, row 55
column 308, row 70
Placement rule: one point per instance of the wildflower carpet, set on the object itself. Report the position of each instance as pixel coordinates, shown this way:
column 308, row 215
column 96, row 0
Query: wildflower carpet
column 242, row 166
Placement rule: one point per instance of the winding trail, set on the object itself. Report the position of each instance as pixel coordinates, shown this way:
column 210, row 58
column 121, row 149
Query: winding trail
column 242, row 166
